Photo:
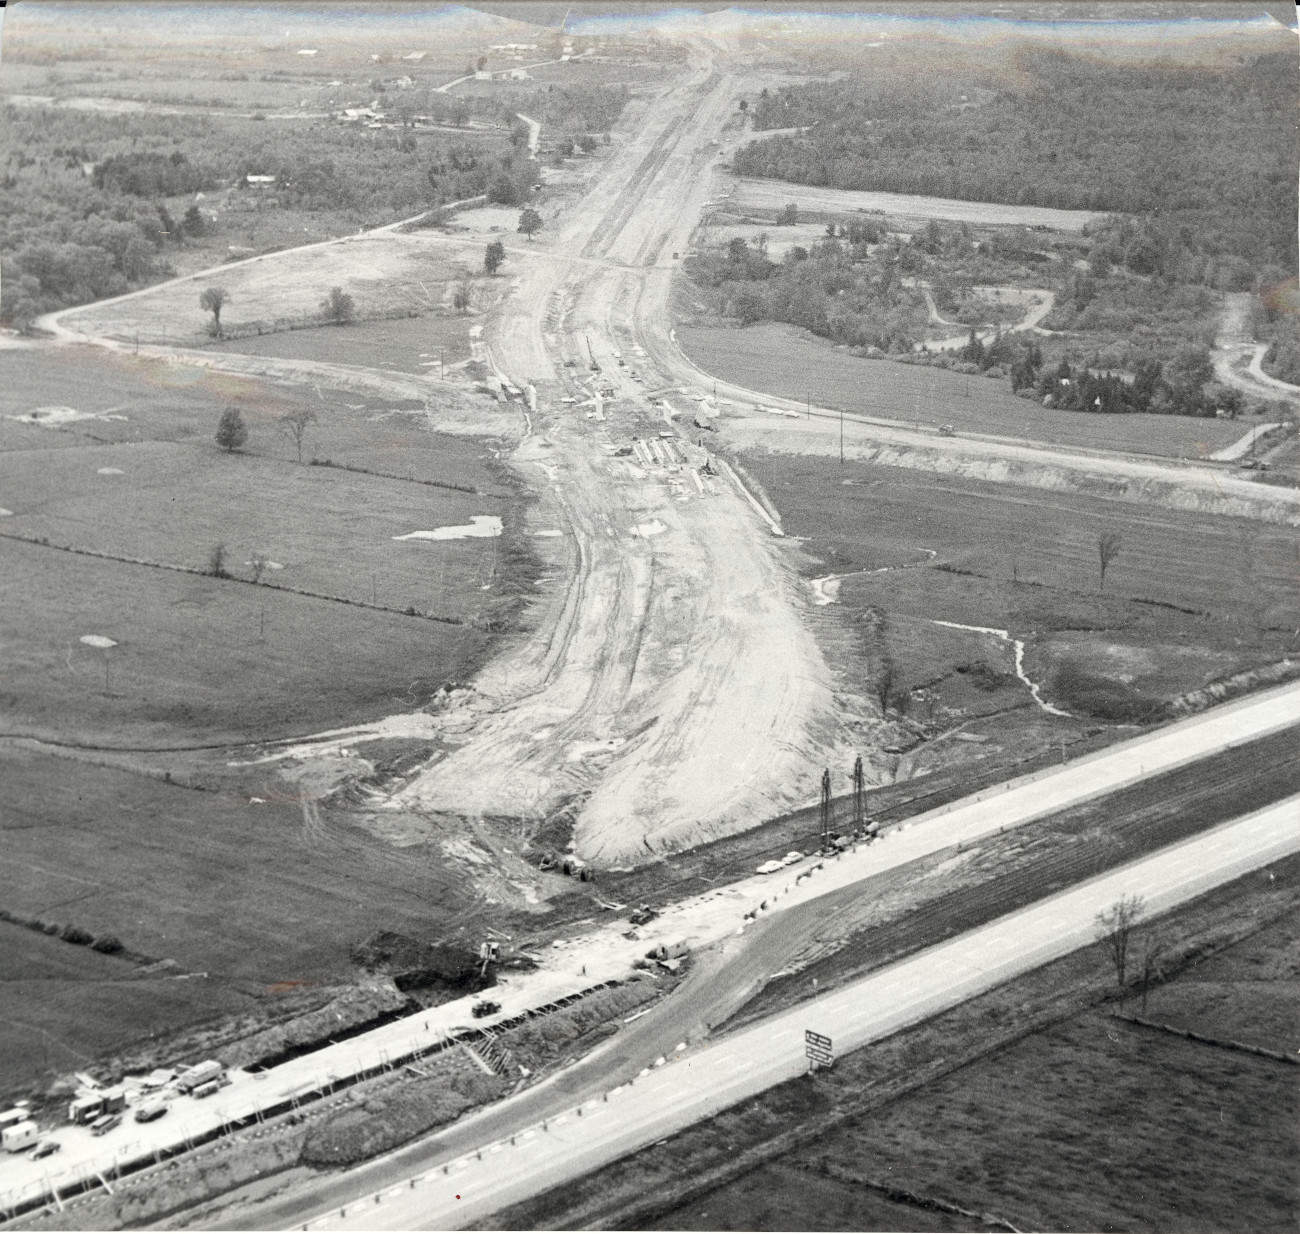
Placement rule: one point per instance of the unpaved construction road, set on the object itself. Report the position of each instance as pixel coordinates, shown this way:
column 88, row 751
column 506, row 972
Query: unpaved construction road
column 672, row 693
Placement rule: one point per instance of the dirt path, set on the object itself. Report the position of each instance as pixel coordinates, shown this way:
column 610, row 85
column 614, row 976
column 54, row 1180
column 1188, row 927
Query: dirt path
column 1040, row 300
column 1231, row 349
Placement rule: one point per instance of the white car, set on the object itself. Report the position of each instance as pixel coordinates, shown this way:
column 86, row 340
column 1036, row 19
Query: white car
column 770, row 867
column 791, row 857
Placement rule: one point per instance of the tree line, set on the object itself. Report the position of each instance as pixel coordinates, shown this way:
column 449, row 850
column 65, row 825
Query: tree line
column 71, row 237
column 1212, row 150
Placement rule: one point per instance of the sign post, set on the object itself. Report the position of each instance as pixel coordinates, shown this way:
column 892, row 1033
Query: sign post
column 818, row 1049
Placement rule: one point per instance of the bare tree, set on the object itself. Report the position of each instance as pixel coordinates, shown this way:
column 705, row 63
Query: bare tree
column 212, row 300
column 295, row 425
column 217, row 562
column 883, row 684
column 1108, row 546
column 1149, row 956
column 1115, row 928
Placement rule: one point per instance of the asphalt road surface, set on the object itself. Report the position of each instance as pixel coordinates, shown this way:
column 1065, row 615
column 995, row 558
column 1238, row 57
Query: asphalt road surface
column 700, row 1082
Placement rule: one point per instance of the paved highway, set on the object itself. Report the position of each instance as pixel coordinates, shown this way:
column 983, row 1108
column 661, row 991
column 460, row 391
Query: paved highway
column 701, row 1082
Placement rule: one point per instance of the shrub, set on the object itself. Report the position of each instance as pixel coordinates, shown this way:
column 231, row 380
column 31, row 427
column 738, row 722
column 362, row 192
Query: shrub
column 107, row 943
column 75, row 934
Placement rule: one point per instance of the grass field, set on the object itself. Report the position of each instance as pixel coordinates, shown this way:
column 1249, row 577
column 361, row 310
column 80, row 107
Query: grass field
column 170, row 496
column 283, row 290
column 1026, row 561
column 166, row 849
column 790, row 363
column 411, row 345
column 255, row 895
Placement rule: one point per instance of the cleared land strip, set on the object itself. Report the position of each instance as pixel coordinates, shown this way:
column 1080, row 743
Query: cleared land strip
column 700, row 1083
column 774, row 194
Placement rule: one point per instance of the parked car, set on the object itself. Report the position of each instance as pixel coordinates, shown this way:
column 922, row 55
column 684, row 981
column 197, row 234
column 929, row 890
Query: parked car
column 46, row 1148
column 770, row 867
column 791, row 857
column 485, row 1007
column 147, row 1111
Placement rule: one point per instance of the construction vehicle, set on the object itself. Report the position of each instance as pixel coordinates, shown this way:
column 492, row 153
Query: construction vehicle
column 485, row 1007
column 147, row 1111
column 947, row 430
column 643, row 915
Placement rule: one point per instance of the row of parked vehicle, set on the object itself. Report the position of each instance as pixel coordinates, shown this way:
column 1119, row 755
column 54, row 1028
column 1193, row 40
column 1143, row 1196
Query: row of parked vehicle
column 104, row 1108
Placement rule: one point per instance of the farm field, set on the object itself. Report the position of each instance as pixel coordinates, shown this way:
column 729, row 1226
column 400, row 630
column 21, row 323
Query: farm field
column 409, row 344
column 282, row 290
column 65, row 1006
column 1188, row 600
column 118, row 398
column 262, row 897
column 790, row 363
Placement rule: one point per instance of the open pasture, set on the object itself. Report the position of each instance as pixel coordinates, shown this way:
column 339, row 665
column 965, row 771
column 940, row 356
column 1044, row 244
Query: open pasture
column 119, row 398
column 383, row 274
column 262, row 897
column 1026, row 561
column 66, row 1006
column 790, row 363
column 200, row 660
column 326, row 530
column 408, row 344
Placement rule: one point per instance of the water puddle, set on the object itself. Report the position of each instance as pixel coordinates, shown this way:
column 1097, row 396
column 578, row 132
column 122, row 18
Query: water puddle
column 479, row 526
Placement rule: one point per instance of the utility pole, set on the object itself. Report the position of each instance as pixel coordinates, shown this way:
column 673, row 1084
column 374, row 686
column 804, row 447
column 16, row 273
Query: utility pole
column 859, row 794
column 807, row 398
column 841, row 436
column 442, row 362
column 826, row 808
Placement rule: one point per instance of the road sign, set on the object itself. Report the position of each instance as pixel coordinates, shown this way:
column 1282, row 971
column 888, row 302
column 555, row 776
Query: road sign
column 818, row 1048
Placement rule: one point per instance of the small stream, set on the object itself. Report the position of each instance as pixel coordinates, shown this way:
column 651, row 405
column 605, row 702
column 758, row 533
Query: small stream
column 1018, row 644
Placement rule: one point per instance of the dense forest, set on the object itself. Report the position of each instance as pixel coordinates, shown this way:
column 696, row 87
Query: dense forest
column 1212, row 152
column 851, row 290
column 88, row 200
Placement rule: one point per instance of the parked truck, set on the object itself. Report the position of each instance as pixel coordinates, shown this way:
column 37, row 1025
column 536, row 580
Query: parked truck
column 86, row 1109
column 199, row 1075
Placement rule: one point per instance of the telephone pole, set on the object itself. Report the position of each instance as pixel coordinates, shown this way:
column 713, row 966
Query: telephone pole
column 841, row 435
column 859, row 794
column 826, row 808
